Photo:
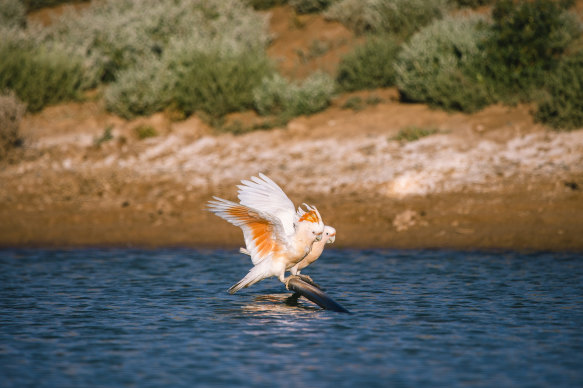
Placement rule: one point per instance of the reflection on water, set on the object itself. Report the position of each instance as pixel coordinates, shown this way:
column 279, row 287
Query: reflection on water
column 278, row 304
column 164, row 318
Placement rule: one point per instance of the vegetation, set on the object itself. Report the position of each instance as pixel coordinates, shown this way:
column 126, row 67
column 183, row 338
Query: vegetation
column 209, row 56
column 117, row 35
column 12, row 13
column 527, row 41
column 399, row 17
column 410, row 134
column 472, row 3
column 278, row 96
column 310, row 6
column 563, row 107
column 105, row 136
column 139, row 91
column 40, row 75
column 369, row 66
column 264, row 4
column 11, row 111
column 218, row 83
column 356, row 103
column 145, row 131
column 37, row 4
column 440, row 65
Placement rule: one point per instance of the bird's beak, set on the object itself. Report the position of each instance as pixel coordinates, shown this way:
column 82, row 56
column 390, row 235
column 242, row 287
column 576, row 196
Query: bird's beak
column 319, row 237
column 331, row 239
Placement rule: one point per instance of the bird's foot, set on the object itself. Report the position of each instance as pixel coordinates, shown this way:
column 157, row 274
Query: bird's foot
column 309, row 280
column 290, row 277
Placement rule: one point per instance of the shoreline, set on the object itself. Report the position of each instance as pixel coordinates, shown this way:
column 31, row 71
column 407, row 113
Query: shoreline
column 510, row 221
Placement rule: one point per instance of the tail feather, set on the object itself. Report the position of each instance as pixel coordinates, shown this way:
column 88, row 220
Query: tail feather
column 256, row 274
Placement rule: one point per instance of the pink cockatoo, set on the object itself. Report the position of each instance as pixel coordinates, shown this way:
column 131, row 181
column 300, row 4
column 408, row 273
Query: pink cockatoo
column 328, row 237
column 277, row 236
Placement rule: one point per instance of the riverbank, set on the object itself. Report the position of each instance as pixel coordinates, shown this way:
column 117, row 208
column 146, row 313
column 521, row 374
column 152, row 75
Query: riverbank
column 492, row 180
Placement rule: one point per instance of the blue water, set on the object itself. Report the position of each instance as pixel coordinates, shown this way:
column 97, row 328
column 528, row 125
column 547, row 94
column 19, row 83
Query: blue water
column 163, row 318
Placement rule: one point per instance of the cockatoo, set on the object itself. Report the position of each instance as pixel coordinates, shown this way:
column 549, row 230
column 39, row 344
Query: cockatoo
column 276, row 235
column 328, row 237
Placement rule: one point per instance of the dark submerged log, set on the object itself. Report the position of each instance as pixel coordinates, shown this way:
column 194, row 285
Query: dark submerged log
column 312, row 293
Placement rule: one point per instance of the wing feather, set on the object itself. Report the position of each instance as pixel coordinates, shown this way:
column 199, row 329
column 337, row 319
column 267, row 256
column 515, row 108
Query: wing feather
column 264, row 235
column 265, row 195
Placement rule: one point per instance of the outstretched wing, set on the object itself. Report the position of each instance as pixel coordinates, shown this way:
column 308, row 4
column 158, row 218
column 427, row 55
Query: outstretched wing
column 264, row 234
column 265, row 195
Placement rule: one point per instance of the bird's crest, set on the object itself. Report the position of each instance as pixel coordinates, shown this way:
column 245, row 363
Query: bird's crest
column 312, row 215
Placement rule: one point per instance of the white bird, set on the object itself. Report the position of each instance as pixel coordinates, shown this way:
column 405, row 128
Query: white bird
column 276, row 236
column 328, row 237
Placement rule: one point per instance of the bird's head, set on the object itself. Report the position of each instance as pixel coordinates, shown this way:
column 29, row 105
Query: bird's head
column 310, row 223
column 329, row 234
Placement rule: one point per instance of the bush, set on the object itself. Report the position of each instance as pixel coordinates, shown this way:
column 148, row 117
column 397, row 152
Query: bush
column 310, row 6
column 369, row 66
column 11, row 112
column 12, row 13
column 114, row 35
column 140, row 90
column 277, row 96
column 410, row 134
column 217, row 83
column 563, row 109
column 37, row 4
column 401, row 17
column 471, row 3
column 527, row 41
column 440, row 65
column 40, row 75
column 138, row 46
column 264, row 4
column 145, row 132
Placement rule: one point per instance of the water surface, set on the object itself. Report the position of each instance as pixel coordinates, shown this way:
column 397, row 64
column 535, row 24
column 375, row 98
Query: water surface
column 72, row 318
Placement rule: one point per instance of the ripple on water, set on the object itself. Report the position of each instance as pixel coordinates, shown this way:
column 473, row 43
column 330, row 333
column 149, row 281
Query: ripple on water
column 108, row 317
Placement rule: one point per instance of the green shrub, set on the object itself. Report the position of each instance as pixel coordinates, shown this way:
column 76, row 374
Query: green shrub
column 105, row 137
column 217, row 83
column 11, row 112
column 440, row 65
column 37, row 4
column 12, row 13
column 563, row 108
column 310, row 6
column 369, row 66
column 145, row 131
column 264, row 4
column 527, row 41
column 414, row 133
column 356, row 103
column 401, row 17
column 277, row 96
column 114, row 35
column 40, row 75
column 472, row 3
column 140, row 90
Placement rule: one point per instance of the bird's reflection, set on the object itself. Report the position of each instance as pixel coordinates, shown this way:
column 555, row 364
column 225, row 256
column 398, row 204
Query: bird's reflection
column 281, row 303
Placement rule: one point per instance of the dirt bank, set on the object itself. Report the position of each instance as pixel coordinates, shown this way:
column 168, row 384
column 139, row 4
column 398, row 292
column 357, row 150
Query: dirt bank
column 490, row 180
